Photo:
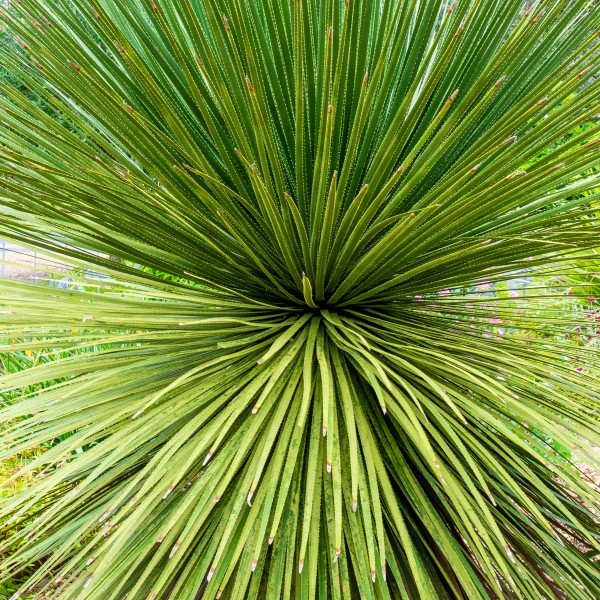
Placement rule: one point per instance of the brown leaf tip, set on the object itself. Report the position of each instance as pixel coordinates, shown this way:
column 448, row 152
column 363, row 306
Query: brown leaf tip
column 538, row 16
column 500, row 81
column 510, row 140
column 515, row 175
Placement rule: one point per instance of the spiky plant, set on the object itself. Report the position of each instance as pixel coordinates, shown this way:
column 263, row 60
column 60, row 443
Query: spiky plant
column 319, row 402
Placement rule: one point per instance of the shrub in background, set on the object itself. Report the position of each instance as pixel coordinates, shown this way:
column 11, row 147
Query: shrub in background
column 315, row 404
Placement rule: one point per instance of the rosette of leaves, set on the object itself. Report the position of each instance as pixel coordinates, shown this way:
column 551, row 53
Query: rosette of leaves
column 312, row 405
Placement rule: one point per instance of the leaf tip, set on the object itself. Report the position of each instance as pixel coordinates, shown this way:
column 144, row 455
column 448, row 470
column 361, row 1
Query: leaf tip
column 510, row 140
column 500, row 82
column 174, row 548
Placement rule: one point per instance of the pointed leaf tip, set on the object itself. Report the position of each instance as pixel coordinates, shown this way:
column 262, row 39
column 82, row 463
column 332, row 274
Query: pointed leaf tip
column 307, row 290
column 174, row 549
column 500, row 81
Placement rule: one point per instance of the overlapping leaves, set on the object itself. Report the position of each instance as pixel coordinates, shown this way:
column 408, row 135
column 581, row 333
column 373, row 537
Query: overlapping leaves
column 320, row 406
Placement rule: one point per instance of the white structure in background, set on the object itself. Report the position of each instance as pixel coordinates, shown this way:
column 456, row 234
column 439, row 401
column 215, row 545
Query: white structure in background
column 11, row 251
column 17, row 262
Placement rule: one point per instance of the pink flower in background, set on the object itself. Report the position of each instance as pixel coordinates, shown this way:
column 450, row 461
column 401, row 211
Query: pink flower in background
column 514, row 294
column 591, row 299
column 567, row 335
column 418, row 296
column 580, row 369
column 444, row 292
column 494, row 320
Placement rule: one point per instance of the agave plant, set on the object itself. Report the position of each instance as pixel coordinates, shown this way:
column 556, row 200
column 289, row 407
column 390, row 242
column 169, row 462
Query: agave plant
column 318, row 401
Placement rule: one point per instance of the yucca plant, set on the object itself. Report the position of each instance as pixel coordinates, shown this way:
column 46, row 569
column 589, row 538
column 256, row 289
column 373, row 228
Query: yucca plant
column 318, row 401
